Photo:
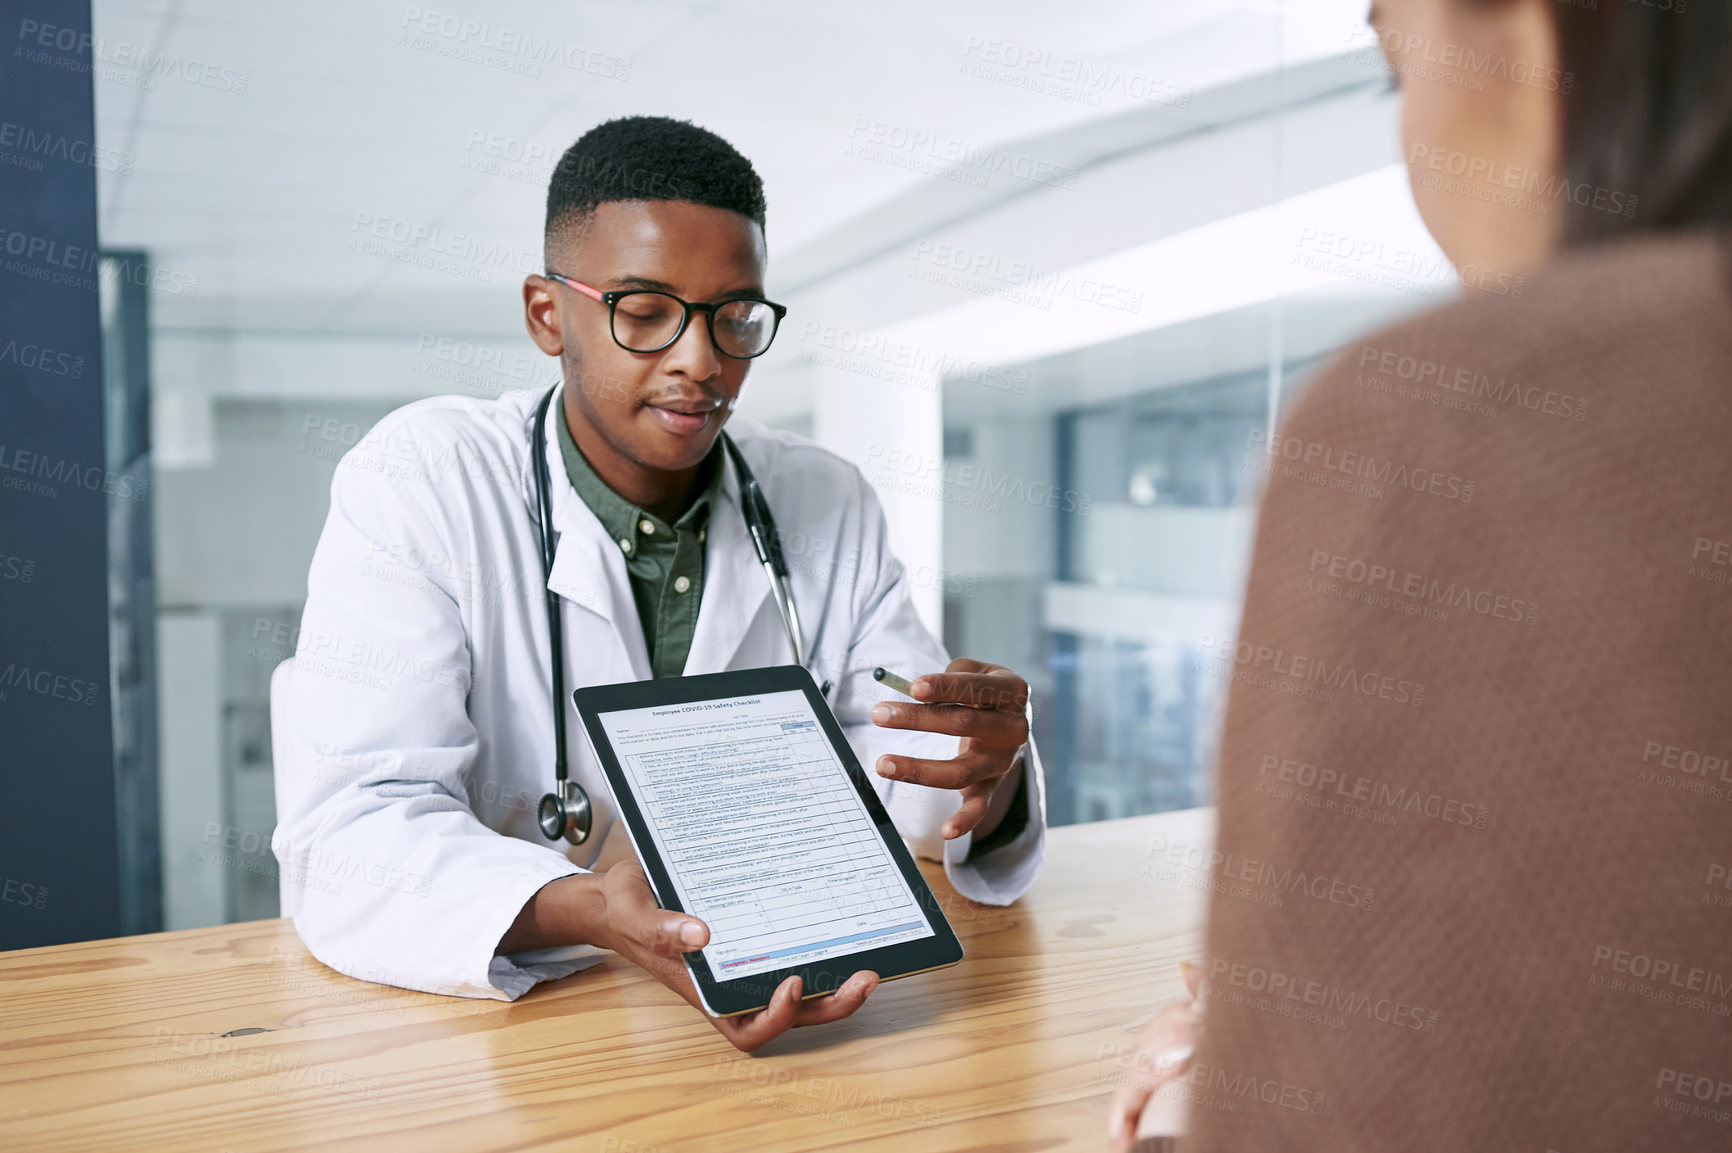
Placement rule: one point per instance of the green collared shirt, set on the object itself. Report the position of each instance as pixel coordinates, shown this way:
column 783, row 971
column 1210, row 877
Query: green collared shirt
column 664, row 561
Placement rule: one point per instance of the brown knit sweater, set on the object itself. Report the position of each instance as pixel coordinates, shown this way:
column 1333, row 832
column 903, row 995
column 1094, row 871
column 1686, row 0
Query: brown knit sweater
column 1474, row 876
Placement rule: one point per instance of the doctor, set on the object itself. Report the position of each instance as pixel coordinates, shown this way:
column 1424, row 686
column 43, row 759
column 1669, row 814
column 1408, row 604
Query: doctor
column 415, row 726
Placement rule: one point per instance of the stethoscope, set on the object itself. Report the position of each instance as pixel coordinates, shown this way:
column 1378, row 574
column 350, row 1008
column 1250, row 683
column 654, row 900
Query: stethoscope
column 566, row 812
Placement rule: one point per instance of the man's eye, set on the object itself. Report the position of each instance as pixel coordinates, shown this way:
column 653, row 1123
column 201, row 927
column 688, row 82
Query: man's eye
column 647, row 306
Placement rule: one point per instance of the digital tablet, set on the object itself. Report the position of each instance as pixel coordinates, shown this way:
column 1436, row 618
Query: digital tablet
column 749, row 811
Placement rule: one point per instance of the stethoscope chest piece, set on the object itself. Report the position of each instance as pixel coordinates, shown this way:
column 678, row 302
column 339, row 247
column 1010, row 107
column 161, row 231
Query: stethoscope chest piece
column 565, row 813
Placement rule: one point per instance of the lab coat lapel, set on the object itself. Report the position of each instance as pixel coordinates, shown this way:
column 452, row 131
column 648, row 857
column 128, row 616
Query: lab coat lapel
column 735, row 587
column 589, row 573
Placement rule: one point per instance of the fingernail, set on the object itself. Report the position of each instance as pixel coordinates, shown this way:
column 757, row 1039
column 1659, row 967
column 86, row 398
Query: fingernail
column 921, row 687
column 882, row 713
column 886, row 767
column 691, row 933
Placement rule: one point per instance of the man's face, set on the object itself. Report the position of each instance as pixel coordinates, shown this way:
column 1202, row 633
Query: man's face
column 654, row 411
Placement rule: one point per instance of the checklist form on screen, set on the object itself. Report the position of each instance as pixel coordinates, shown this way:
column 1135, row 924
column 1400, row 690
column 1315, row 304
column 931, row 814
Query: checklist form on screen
column 762, row 832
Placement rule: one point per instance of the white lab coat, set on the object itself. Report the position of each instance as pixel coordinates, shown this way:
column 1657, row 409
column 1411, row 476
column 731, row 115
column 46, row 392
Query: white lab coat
column 415, row 732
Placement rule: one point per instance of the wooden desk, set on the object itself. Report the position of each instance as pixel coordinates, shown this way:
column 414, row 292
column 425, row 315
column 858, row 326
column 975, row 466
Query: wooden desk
column 118, row 1044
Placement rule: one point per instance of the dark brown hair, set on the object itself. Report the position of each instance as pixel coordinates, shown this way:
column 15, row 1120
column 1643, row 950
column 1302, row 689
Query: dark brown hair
column 1649, row 113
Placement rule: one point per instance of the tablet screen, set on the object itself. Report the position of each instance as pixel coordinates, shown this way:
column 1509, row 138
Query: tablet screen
column 762, row 832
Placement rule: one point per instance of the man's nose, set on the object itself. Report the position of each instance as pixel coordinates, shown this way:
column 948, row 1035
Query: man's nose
column 694, row 355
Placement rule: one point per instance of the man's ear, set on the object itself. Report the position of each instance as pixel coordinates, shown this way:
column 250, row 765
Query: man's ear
column 541, row 315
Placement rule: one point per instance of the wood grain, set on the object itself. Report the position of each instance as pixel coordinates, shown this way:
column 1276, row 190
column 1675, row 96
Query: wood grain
column 119, row 1044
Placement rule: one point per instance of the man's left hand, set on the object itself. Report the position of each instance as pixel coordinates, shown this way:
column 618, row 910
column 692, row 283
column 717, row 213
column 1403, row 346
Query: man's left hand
column 987, row 706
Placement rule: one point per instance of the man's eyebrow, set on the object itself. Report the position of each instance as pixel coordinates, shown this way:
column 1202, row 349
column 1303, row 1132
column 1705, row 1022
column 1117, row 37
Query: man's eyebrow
column 627, row 283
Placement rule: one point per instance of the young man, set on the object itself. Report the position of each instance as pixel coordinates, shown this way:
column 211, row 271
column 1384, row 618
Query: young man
column 415, row 728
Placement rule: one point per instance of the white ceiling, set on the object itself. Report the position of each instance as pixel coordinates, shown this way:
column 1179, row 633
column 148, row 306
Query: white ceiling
column 346, row 116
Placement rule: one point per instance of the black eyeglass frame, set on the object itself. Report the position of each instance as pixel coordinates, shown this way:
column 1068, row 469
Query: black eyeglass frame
column 612, row 299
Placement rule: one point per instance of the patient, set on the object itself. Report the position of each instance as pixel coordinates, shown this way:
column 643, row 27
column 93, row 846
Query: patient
column 1479, row 897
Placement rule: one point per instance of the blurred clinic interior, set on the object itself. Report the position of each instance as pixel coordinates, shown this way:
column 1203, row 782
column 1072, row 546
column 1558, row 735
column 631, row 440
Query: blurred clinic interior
column 1052, row 271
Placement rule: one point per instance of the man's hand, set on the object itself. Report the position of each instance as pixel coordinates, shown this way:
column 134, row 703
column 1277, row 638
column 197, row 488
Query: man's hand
column 654, row 939
column 987, row 706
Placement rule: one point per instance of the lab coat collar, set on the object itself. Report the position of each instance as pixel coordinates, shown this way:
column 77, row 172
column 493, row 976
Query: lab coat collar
column 735, row 585
column 589, row 568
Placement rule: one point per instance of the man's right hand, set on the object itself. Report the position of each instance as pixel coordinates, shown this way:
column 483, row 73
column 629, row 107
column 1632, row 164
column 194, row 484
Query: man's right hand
column 617, row 910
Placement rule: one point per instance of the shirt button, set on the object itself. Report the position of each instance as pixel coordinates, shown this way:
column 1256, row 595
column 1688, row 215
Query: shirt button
column 624, row 545
column 681, row 584
column 646, row 527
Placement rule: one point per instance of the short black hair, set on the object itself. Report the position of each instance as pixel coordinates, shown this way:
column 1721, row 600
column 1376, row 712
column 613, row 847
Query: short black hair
column 650, row 158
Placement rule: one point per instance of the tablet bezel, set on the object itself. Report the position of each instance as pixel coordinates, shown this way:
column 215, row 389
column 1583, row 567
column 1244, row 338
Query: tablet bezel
column 729, row 998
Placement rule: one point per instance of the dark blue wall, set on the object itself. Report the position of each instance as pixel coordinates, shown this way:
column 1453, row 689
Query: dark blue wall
column 58, row 879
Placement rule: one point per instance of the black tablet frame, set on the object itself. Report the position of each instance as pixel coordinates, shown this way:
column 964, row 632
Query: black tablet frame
column 728, row 998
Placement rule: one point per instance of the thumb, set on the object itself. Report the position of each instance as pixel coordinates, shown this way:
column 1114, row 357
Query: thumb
column 677, row 933
column 632, row 912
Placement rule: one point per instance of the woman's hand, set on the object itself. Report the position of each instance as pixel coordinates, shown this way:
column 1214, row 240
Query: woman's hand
column 1162, row 1054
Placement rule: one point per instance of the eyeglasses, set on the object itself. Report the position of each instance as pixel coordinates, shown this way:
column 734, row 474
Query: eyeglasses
column 651, row 321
